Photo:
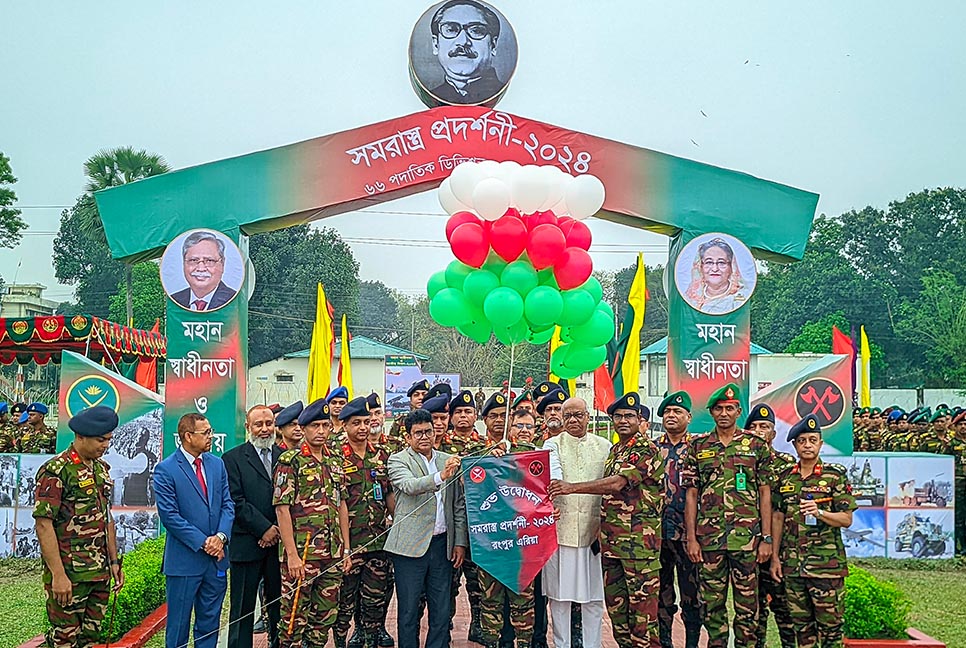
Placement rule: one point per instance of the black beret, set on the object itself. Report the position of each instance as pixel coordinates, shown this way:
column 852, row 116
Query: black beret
column 437, row 404
column 493, row 402
column 421, row 384
column 759, row 412
column 94, row 421
column 555, row 396
column 438, row 389
column 358, row 406
column 315, row 411
column 807, row 424
column 18, row 408
column 463, row 399
column 629, row 401
column 289, row 414
column 374, row 401
column 544, row 388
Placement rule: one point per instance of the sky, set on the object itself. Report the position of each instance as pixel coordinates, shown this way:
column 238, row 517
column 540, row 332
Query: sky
column 860, row 102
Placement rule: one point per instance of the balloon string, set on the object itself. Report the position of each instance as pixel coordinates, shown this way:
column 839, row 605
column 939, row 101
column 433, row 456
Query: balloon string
column 509, row 402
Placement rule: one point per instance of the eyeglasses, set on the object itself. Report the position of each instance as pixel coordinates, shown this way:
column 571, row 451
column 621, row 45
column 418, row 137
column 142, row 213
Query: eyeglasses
column 523, row 426
column 475, row 30
column 207, row 433
column 716, row 263
column 623, row 417
column 422, row 434
column 570, row 415
column 202, row 261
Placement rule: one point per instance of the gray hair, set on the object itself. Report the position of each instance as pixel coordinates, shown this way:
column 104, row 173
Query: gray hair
column 195, row 238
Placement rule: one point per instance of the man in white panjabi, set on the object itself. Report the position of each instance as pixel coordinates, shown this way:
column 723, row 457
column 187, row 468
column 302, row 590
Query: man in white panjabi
column 573, row 573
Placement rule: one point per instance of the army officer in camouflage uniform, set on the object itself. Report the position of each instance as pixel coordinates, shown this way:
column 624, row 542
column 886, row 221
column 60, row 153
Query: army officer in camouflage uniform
column 76, row 532
column 630, row 528
column 813, row 503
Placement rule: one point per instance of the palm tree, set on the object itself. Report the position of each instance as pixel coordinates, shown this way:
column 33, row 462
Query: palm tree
column 112, row 168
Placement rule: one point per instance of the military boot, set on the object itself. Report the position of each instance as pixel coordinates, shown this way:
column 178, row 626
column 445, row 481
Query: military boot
column 357, row 640
column 664, row 631
column 384, row 639
column 339, row 641
column 475, row 633
column 692, row 634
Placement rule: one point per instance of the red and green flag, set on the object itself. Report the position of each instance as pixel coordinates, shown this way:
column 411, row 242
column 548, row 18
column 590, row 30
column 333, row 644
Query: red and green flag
column 512, row 529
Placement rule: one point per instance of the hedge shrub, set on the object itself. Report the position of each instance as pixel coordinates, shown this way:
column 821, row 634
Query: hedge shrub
column 874, row 609
column 143, row 590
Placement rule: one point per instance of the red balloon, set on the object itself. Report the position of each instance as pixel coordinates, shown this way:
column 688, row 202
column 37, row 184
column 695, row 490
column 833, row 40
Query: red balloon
column 545, row 245
column 578, row 236
column 458, row 219
column 542, row 218
column 573, row 268
column 513, row 212
column 565, row 223
column 470, row 245
column 508, row 236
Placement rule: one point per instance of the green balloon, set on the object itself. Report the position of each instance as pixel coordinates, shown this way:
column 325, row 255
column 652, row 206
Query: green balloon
column 520, row 276
column 478, row 331
column 565, row 334
column 578, row 306
column 450, row 308
column 540, row 337
column 605, row 307
column 503, row 307
column 598, row 330
column 594, row 288
column 515, row 334
column 559, row 365
column 478, row 285
column 437, row 281
column 494, row 263
column 543, row 306
column 582, row 358
column 456, row 273
column 547, row 279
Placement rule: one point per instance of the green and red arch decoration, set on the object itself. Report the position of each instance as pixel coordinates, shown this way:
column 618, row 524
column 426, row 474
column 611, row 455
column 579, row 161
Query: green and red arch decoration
column 44, row 339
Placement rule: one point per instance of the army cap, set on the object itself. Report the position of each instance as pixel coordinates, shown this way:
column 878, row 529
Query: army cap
column 555, row 396
column 543, row 389
column 678, row 399
column 94, row 421
column 289, row 414
column 493, row 402
column 419, row 385
column 437, row 404
column 4, row 408
column 463, row 399
column 959, row 417
column 373, row 401
column 440, row 389
column 938, row 415
column 807, row 424
column 895, row 415
column 18, row 408
column 358, row 406
column 727, row 394
column 524, row 397
column 338, row 392
column 760, row 412
column 40, row 408
column 315, row 411
column 23, row 418
column 629, row 401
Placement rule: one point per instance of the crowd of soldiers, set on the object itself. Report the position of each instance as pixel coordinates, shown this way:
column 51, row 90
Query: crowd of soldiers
column 709, row 510
column 23, row 430
column 939, row 431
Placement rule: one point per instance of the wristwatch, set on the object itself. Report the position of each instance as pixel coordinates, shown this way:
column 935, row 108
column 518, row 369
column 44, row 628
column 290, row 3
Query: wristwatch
column 819, row 513
column 221, row 536
column 766, row 539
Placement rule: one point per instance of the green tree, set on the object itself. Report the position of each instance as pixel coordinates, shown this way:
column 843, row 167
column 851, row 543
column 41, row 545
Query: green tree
column 816, row 337
column 148, row 297
column 656, row 308
column 936, row 322
column 289, row 263
column 379, row 313
column 11, row 225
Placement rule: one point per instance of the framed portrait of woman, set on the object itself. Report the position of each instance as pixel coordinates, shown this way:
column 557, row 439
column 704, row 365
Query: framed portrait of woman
column 715, row 274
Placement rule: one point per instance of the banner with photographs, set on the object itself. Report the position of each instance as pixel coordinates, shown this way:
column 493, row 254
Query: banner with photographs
column 401, row 372
column 906, row 505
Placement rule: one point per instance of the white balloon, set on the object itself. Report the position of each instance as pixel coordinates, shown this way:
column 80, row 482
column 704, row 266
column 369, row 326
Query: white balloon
column 489, row 168
column 554, row 179
column 491, row 198
column 507, row 170
column 528, row 189
column 463, row 180
column 560, row 209
column 448, row 201
column 585, row 196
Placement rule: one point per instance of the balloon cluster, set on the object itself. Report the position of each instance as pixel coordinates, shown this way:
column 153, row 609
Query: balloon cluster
column 520, row 270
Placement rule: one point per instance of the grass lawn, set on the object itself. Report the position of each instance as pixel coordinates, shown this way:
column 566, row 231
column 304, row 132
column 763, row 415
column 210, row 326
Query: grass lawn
column 22, row 601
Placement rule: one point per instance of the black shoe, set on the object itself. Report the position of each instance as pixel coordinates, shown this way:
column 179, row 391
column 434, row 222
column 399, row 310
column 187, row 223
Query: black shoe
column 259, row 627
column 357, row 640
column 384, row 639
column 339, row 642
column 476, row 633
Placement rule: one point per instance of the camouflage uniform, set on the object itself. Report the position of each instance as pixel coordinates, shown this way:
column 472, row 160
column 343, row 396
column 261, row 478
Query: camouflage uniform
column 728, row 523
column 813, row 556
column 493, row 593
column 365, row 586
column 957, row 448
column 674, row 558
column 25, row 439
column 77, row 500
column 313, row 490
column 771, row 593
column 630, row 533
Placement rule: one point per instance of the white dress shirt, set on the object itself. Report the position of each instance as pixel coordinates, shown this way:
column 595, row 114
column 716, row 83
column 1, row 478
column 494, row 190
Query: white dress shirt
column 440, row 526
column 191, row 461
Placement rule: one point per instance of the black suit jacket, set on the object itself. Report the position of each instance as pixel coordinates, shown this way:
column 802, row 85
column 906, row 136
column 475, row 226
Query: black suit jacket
column 251, row 489
column 223, row 295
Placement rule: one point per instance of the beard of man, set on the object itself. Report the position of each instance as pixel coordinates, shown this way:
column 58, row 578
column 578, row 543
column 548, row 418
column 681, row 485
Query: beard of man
column 262, row 443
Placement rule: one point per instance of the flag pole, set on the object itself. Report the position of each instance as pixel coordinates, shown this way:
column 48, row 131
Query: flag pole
column 509, row 404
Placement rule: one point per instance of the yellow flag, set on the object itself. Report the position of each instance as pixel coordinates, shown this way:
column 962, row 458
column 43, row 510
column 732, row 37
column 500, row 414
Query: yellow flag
column 555, row 342
column 345, row 362
column 865, row 391
column 636, row 301
column 320, row 352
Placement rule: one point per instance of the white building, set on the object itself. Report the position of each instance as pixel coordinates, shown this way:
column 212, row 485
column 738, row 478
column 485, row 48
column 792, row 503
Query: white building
column 25, row 300
column 284, row 380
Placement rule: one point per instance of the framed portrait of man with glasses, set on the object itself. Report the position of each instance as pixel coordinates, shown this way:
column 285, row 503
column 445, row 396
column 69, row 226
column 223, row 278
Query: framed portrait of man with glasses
column 202, row 270
column 462, row 52
column 715, row 274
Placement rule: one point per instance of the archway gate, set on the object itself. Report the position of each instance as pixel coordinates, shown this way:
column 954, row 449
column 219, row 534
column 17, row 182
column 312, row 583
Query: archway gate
column 366, row 166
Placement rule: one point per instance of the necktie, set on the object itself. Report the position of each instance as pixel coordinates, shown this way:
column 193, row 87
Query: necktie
column 267, row 460
column 200, row 304
column 201, row 477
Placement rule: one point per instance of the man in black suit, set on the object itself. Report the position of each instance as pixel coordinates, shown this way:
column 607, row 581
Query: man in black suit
column 203, row 255
column 255, row 534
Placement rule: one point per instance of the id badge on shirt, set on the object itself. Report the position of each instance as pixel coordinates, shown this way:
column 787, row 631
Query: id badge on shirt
column 377, row 492
column 741, row 481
